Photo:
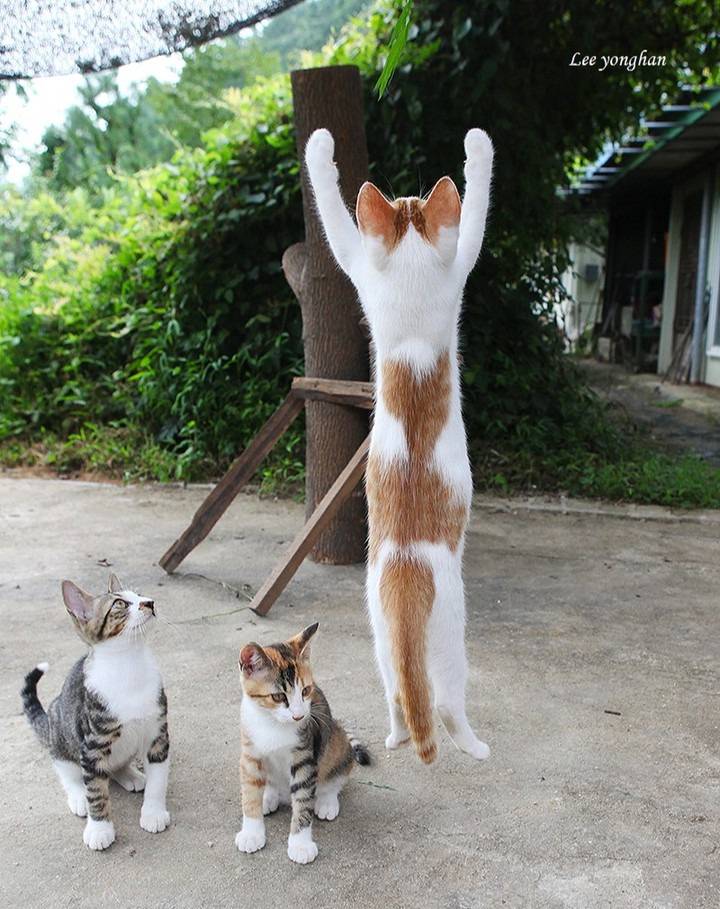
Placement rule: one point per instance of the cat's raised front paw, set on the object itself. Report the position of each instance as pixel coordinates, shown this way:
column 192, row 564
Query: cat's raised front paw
column 478, row 146
column 77, row 803
column 98, row 834
column 320, row 149
column 250, row 839
column 301, row 848
column 154, row 819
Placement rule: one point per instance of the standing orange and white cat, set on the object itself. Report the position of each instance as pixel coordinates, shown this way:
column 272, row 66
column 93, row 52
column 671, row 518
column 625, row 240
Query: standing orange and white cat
column 409, row 261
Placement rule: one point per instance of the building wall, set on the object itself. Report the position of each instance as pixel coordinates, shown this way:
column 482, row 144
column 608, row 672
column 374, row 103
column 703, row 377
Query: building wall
column 585, row 304
column 710, row 371
column 712, row 357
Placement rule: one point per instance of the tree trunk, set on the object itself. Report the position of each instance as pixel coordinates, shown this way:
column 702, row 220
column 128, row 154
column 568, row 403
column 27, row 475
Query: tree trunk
column 335, row 345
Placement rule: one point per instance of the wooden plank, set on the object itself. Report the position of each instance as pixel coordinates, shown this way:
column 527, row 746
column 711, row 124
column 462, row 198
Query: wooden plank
column 336, row 391
column 308, row 536
column 240, row 472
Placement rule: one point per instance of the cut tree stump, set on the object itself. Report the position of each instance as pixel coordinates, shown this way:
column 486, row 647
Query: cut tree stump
column 334, row 342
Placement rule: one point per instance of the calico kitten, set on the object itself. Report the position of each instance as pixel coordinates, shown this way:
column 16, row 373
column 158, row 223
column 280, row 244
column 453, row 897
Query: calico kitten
column 293, row 751
column 111, row 711
column 409, row 260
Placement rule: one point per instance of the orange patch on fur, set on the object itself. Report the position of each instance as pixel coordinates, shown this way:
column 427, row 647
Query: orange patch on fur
column 409, row 501
column 407, row 593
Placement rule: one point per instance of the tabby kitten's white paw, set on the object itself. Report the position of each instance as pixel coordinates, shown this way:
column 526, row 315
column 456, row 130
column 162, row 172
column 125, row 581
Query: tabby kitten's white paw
column 154, row 819
column 130, row 779
column 301, row 847
column 98, row 834
column 77, row 803
column 252, row 836
column 320, row 149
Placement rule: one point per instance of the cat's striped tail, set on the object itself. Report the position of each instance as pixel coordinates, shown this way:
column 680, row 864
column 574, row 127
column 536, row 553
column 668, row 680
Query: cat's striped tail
column 34, row 710
column 407, row 593
column 360, row 752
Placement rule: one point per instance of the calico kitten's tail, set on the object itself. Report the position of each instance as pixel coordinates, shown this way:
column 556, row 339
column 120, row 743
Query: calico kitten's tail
column 360, row 752
column 34, row 710
column 407, row 593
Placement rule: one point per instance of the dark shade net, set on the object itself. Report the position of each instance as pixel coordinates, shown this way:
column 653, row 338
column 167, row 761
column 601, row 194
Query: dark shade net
column 54, row 37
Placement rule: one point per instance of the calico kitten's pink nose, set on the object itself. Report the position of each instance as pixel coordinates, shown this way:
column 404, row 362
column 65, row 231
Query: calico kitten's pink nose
column 297, row 718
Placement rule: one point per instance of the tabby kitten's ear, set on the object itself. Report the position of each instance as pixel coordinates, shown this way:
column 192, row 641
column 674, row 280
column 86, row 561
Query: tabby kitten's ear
column 77, row 602
column 115, row 585
column 253, row 659
column 301, row 642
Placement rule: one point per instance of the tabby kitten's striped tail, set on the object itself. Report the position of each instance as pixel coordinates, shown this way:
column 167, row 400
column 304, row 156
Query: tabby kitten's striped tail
column 34, row 710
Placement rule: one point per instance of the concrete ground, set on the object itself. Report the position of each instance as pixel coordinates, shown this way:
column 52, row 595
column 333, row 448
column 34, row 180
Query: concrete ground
column 680, row 418
column 594, row 642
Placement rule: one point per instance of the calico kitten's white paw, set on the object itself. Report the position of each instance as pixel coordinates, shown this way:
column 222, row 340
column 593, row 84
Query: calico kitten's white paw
column 98, row 834
column 327, row 807
column 478, row 146
column 252, row 836
column 320, row 149
column 271, row 800
column 77, row 803
column 301, row 847
column 154, row 819
column 130, row 779
column 396, row 740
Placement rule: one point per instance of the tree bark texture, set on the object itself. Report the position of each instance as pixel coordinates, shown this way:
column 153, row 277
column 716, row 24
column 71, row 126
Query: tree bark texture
column 335, row 344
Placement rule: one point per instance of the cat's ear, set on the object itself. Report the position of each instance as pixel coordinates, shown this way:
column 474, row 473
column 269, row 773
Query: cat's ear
column 441, row 210
column 115, row 585
column 253, row 659
column 301, row 642
column 375, row 213
column 78, row 603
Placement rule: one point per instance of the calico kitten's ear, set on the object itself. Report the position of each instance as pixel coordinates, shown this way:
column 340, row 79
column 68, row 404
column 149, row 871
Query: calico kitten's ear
column 301, row 642
column 115, row 585
column 252, row 659
column 375, row 213
column 441, row 209
column 78, row 603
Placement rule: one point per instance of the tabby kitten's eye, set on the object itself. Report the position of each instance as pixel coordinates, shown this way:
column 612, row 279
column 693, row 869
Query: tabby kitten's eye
column 306, row 691
column 121, row 604
column 279, row 698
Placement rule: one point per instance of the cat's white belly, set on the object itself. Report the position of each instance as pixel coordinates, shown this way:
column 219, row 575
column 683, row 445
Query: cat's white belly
column 135, row 739
column 277, row 765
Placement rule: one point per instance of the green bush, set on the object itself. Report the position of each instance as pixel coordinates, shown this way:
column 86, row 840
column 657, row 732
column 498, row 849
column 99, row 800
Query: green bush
column 153, row 326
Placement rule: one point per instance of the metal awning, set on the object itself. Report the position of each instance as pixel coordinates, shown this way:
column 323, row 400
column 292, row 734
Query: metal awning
column 680, row 134
column 56, row 37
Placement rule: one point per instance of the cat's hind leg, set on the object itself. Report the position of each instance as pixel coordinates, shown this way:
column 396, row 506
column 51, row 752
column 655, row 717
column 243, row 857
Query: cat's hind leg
column 130, row 778
column 446, row 652
column 70, row 775
column 399, row 732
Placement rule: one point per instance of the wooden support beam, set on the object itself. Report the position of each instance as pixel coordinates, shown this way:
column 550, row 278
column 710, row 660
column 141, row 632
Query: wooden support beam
column 240, row 472
column 337, row 391
column 329, row 505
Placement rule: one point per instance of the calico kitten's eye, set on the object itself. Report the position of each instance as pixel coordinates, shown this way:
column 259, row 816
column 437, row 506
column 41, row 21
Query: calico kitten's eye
column 306, row 691
column 119, row 604
column 279, row 698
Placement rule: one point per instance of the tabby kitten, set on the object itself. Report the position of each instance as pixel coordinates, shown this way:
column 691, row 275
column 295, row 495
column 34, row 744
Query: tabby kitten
column 409, row 260
column 293, row 751
column 110, row 712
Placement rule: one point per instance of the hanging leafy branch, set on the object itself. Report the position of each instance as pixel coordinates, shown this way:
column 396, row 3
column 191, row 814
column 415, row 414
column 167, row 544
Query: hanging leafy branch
column 398, row 40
